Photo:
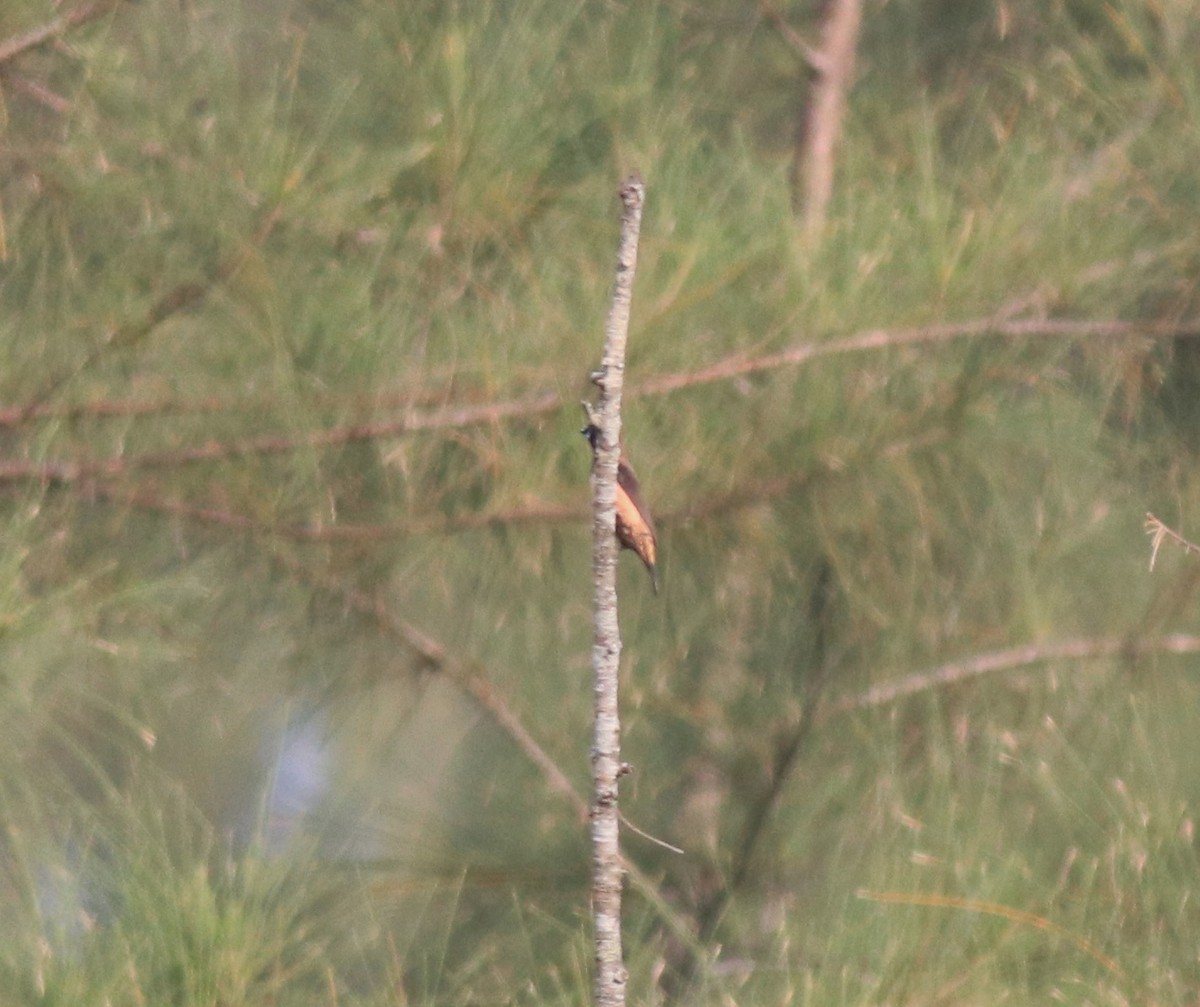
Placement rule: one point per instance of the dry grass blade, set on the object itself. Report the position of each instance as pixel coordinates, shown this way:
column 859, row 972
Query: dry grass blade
column 994, row 909
column 1159, row 533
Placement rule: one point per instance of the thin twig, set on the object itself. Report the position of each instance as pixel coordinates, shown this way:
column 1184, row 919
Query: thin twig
column 670, row 848
column 38, row 92
column 474, row 682
column 809, row 53
column 475, row 414
column 271, row 444
column 956, row 672
column 459, row 417
column 18, row 44
column 435, row 654
column 147, row 500
column 177, row 299
column 173, row 405
column 882, row 339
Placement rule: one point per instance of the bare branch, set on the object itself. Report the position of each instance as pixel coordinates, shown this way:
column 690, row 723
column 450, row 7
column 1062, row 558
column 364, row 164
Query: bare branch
column 152, row 502
column 177, row 299
column 18, row 44
column 607, row 864
column 38, row 93
column 174, row 405
column 881, row 339
column 812, row 172
column 810, row 54
column 956, row 672
column 473, row 681
column 458, row 417
column 437, row 656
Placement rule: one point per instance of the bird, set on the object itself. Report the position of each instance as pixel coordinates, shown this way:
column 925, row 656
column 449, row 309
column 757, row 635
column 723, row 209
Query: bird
column 635, row 529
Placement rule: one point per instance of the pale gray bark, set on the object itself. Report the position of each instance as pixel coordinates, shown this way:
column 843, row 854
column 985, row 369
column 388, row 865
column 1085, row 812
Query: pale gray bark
column 815, row 159
column 607, row 870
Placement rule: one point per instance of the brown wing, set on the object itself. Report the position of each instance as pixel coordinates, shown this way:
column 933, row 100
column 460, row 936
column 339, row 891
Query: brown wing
column 634, row 526
column 635, row 529
column 628, row 482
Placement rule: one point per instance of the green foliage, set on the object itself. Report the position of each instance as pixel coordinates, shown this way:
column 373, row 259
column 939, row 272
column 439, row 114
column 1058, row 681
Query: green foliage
column 297, row 302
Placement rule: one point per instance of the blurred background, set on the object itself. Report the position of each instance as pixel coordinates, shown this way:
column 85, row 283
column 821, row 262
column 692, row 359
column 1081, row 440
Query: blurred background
column 298, row 299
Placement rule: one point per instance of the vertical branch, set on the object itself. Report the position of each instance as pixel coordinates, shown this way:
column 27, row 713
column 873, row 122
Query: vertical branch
column 606, row 640
column 812, row 170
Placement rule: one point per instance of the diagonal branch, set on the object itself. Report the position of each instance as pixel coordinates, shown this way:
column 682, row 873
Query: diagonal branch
column 812, row 56
column 178, row 299
column 461, row 672
column 472, row 680
column 881, row 339
column 956, row 672
column 12, row 47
